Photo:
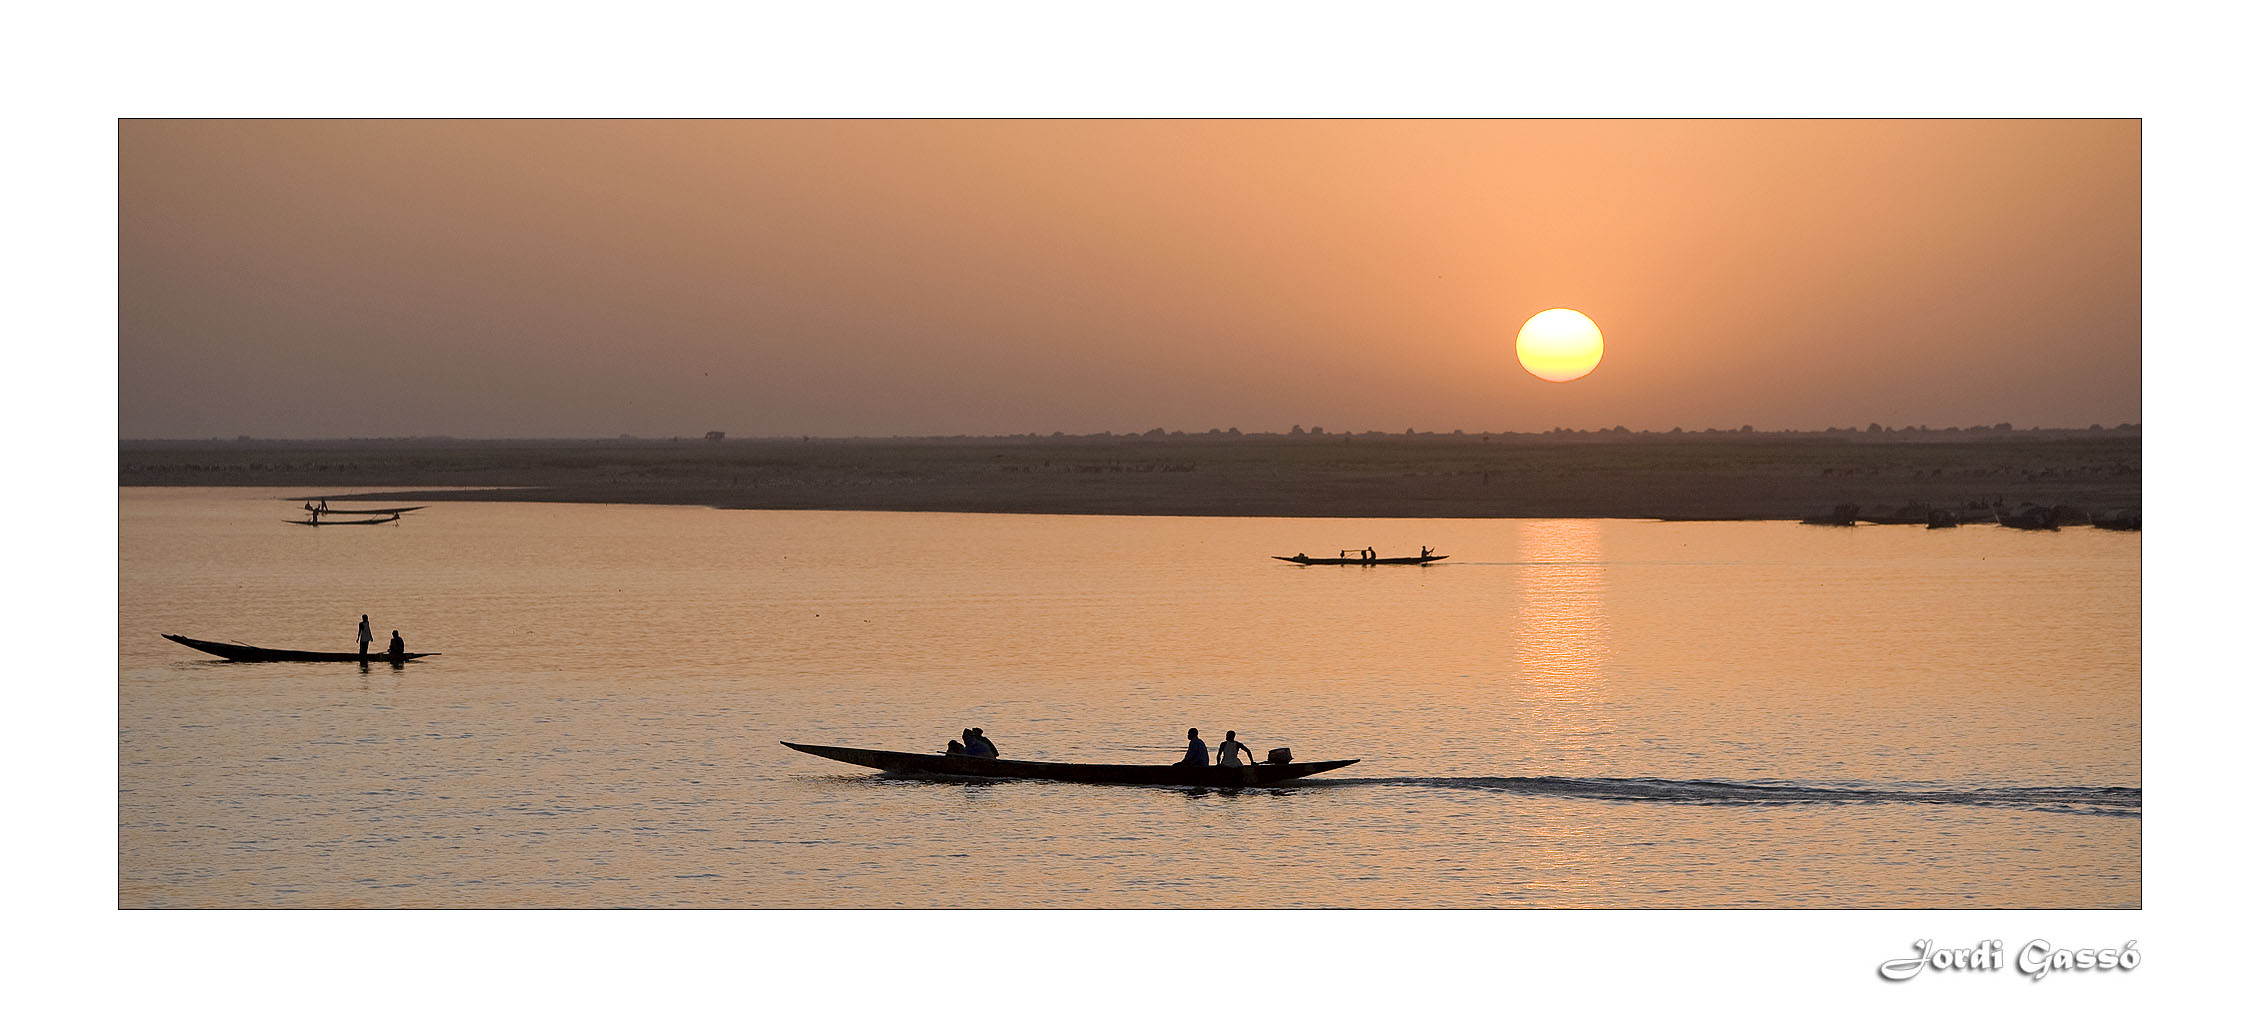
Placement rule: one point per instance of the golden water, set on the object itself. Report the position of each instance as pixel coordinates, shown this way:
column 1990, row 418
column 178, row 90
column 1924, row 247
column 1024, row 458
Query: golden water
column 1565, row 714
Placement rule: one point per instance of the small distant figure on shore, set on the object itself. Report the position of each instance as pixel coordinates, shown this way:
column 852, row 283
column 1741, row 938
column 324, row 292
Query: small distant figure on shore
column 364, row 635
column 1196, row 751
column 1228, row 752
column 398, row 648
column 978, row 745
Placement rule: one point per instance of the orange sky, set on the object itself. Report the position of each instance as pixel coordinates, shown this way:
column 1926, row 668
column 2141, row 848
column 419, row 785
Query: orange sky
column 572, row 278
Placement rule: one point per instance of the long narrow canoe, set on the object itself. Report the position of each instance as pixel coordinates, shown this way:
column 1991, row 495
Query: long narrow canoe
column 372, row 510
column 1300, row 559
column 1115, row 774
column 238, row 651
column 325, row 521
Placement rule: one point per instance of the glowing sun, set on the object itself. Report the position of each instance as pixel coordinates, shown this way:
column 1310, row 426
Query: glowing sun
column 1559, row 345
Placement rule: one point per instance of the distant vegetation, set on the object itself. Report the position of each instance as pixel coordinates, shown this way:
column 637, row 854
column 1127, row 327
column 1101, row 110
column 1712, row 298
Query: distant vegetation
column 1563, row 473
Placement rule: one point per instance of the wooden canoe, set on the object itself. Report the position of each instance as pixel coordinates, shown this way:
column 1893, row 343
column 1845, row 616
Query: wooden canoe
column 1300, row 559
column 1113, row 774
column 372, row 510
column 240, row 652
column 386, row 520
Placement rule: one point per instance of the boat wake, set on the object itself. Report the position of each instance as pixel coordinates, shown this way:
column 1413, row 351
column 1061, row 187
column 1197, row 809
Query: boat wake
column 2097, row 800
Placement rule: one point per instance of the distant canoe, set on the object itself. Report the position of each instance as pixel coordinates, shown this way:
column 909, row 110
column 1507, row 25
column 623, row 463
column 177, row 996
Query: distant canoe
column 1300, row 559
column 1103, row 774
column 325, row 521
column 372, row 510
column 252, row 654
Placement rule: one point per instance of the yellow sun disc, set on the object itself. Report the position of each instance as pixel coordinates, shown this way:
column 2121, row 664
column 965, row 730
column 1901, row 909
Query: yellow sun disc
column 1559, row 345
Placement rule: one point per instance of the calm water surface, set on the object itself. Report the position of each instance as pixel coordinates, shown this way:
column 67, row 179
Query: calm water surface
column 1565, row 714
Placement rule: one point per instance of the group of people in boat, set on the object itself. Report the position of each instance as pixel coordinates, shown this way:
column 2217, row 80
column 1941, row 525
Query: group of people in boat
column 1227, row 752
column 1369, row 553
column 315, row 509
column 973, row 744
column 393, row 651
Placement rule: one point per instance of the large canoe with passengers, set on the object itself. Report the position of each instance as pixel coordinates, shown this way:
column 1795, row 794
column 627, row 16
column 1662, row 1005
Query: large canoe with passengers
column 1308, row 561
column 1111, row 774
column 239, row 651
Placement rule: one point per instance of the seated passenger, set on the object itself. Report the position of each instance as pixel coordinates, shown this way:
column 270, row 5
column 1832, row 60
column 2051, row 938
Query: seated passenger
column 978, row 745
column 1196, row 751
column 1228, row 752
column 956, row 749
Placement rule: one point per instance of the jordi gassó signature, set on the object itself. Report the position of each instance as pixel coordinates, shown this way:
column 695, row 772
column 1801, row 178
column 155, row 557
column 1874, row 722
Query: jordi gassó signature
column 2037, row 959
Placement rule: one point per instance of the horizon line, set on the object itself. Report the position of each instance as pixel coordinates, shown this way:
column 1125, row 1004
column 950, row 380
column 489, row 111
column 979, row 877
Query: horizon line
column 1297, row 432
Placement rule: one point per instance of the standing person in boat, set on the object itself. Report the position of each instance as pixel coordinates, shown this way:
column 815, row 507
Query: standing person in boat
column 1228, row 752
column 978, row 745
column 398, row 649
column 1196, row 751
column 364, row 635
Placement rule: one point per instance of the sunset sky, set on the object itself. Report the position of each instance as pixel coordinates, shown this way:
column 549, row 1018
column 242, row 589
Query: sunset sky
column 839, row 278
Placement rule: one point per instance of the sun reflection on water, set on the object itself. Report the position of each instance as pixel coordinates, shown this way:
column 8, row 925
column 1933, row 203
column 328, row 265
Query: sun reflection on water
column 1560, row 630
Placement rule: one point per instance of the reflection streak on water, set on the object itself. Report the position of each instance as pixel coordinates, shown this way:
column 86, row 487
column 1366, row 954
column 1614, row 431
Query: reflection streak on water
column 1561, row 628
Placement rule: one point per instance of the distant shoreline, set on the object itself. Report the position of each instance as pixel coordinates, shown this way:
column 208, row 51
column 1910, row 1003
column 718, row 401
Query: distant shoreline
column 1673, row 476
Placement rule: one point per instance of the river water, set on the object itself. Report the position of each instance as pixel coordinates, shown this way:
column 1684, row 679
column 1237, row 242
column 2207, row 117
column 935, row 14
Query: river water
column 1567, row 714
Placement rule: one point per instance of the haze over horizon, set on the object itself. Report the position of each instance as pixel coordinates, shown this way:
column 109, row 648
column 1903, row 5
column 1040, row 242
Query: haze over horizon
column 587, row 279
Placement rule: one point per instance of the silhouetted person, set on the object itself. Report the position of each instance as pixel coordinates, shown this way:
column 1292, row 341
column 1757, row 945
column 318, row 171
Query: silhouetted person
column 398, row 649
column 1196, row 751
column 978, row 745
column 1424, row 551
column 364, row 634
column 1228, row 752
column 954, row 749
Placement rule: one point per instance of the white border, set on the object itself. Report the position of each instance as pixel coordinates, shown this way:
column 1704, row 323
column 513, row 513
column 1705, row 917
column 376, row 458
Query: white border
column 88, row 65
